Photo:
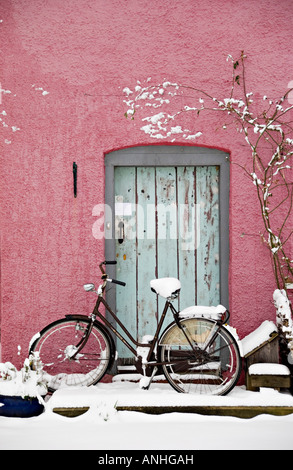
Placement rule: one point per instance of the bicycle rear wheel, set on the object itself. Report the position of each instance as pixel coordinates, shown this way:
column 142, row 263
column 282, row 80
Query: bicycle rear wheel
column 56, row 346
column 203, row 368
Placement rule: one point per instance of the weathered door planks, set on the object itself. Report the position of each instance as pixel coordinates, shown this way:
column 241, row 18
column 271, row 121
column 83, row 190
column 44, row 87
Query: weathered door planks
column 208, row 273
column 189, row 236
column 146, row 251
column 170, row 219
column 125, row 197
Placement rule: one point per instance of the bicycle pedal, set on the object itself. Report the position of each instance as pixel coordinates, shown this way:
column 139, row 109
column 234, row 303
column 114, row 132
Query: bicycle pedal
column 144, row 383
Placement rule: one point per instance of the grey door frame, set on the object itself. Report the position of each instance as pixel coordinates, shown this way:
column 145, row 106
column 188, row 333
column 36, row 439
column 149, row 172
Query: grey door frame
column 171, row 155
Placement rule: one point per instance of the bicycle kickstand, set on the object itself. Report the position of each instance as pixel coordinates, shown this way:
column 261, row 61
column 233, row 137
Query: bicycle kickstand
column 145, row 382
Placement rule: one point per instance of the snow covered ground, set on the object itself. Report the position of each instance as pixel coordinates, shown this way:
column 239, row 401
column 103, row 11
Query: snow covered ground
column 104, row 428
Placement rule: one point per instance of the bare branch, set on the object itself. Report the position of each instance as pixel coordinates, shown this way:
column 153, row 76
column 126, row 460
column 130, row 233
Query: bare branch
column 268, row 134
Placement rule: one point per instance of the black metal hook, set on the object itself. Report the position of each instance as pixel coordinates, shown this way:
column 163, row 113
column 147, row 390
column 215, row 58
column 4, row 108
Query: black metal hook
column 75, row 179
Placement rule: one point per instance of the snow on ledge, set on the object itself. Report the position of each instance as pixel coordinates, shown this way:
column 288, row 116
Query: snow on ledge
column 268, row 369
column 106, row 396
column 258, row 336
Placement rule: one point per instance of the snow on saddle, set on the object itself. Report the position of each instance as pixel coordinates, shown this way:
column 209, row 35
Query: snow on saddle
column 197, row 311
column 169, row 287
column 166, row 287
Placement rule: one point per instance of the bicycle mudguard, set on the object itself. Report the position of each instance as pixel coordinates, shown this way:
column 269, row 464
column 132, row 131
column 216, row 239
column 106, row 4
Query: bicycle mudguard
column 177, row 336
column 104, row 330
column 180, row 337
column 165, row 330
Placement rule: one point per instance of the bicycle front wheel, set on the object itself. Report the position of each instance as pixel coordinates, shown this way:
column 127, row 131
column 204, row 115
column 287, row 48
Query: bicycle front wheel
column 56, row 346
column 201, row 360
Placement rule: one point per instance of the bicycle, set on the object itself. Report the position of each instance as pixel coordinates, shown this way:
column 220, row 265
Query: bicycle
column 196, row 353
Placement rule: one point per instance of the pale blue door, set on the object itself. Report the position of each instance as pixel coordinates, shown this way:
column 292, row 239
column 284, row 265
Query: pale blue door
column 166, row 225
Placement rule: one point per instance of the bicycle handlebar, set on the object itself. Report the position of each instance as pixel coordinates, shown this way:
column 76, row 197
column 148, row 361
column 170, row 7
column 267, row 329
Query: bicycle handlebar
column 121, row 283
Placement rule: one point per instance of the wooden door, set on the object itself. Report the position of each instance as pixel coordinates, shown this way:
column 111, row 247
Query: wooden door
column 166, row 225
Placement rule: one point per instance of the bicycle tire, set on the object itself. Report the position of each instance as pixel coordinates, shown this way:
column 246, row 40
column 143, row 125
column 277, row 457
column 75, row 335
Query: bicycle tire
column 195, row 370
column 55, row 344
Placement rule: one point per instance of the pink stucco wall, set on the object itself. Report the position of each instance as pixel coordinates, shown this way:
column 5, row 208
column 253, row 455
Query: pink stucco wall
column 83, row 53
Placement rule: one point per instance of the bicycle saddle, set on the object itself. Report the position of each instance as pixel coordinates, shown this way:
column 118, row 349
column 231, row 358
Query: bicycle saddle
column 166, row 286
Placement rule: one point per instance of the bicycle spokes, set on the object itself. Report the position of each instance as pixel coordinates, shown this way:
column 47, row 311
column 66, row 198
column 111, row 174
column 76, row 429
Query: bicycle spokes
column 59, row 346
column 210, row 366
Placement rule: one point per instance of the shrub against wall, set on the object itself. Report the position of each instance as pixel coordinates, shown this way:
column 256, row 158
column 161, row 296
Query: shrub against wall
column 268, row 133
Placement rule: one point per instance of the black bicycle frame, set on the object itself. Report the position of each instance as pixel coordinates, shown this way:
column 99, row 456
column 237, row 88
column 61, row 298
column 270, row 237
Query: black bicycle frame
column 150, row 345
column 168, row 305
column 97, row 314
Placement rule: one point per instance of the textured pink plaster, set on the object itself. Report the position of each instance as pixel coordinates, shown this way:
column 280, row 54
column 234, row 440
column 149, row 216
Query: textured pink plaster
column 84, row 53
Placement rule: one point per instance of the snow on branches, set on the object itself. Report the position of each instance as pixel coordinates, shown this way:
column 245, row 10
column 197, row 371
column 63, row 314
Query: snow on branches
column 158, row 125
column 267, row 131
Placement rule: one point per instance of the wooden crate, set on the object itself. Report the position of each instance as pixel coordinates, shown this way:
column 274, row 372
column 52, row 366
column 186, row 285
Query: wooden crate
column 255, row 382
column 267, row 352
column 270, row 375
